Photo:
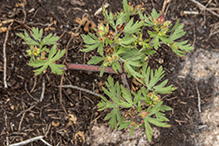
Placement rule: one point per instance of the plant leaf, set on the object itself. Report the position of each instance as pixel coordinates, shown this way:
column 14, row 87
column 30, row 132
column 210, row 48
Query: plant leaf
column 151, row 78
column 126, row 9
column 92, row 43
column 95, row 60
column 131, row 29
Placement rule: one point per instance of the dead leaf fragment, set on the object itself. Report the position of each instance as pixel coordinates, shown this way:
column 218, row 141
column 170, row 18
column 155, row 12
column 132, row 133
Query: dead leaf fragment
column 12, row 107
column 74, row 34
column 32, row 115
column 69, row 124
column 73, row 118
column 49, row 28
column 55, row 124
column 79, row 136
column 55, row 22
column 136, row 82
column 3, row 29
column 88, row 24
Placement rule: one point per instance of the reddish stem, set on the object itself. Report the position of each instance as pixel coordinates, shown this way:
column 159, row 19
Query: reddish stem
column 88, row 68
column 97, row 68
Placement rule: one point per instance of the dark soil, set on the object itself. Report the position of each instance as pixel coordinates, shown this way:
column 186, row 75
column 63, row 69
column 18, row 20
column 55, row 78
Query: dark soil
column 21, row 117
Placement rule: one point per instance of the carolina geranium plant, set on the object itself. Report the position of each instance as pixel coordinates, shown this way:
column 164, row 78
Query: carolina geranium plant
column 40, row 55
column 120, row 43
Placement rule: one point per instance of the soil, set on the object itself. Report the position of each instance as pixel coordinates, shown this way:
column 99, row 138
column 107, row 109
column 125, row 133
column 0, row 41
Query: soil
column 23, row 117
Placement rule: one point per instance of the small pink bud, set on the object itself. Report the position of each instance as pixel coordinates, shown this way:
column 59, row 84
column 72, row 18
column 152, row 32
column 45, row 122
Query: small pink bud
column 160, row 19
column 144, row 114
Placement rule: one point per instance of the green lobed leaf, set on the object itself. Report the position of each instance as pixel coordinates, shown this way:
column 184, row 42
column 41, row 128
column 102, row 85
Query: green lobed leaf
column 115, row 118
column 126, row 9
column 148, row 52
column 161, row 116
column 136, row 97
column 88, row 39
column 148, row 130
column 40, row 70
column 56, row 68
column 95, row 60
column 37, row 63
column 178, row 33
column 164, row 90
column 131, row 28
column 151, row 78
column 121, row 19
column 53, row 56
column 127, row 95
column 184, row 47
column 109, row 18
column 92, row 43
column 28, row 39
column 155, row 37
column 157, row 122
column 116, row 67
column 131, row 131
column 37, row 34
column 124, row 125
column 49, row 40
column 127, row 40
column 58, row 55
column 147, row 22
column 104, row 103
column 154, row 14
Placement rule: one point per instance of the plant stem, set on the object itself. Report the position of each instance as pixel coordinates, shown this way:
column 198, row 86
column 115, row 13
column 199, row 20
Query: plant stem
column 88, row 68
column 98, row 69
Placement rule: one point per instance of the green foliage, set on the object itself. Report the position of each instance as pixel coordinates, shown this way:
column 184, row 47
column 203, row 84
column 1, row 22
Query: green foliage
column 122, row 98
column 43, row 64
column 162, row 33
column 151, row 78
column 38, row 50
column 123, row 46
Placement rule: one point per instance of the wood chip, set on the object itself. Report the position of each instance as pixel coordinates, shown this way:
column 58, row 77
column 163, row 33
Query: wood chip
column 73, row 118
column 32, row 115
column 55, row 124
column 75, row 2
column 12, row 107
column 80, row 136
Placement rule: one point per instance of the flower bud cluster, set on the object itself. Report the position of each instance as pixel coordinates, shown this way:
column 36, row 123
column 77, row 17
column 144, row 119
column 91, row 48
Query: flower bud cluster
column 153, row 99
column 161, row 26
column 136, row 117
column 36, row 52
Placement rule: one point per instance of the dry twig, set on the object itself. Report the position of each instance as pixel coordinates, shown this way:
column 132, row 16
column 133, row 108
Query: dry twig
column 34, row 85
column 164, row 6
column 202, row 7
column 106, row 5
column 26, row 110
column 81, row 89
column 29, row 141
column 4, row 56
column 180, row 121
column 30, row 94
column 60, row 92
column 43, row 91
column 6, row 125
column 22, row 118
column 199, row 100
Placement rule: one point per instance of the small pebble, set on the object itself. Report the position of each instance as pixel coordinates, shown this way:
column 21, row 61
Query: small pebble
column 172, row 69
